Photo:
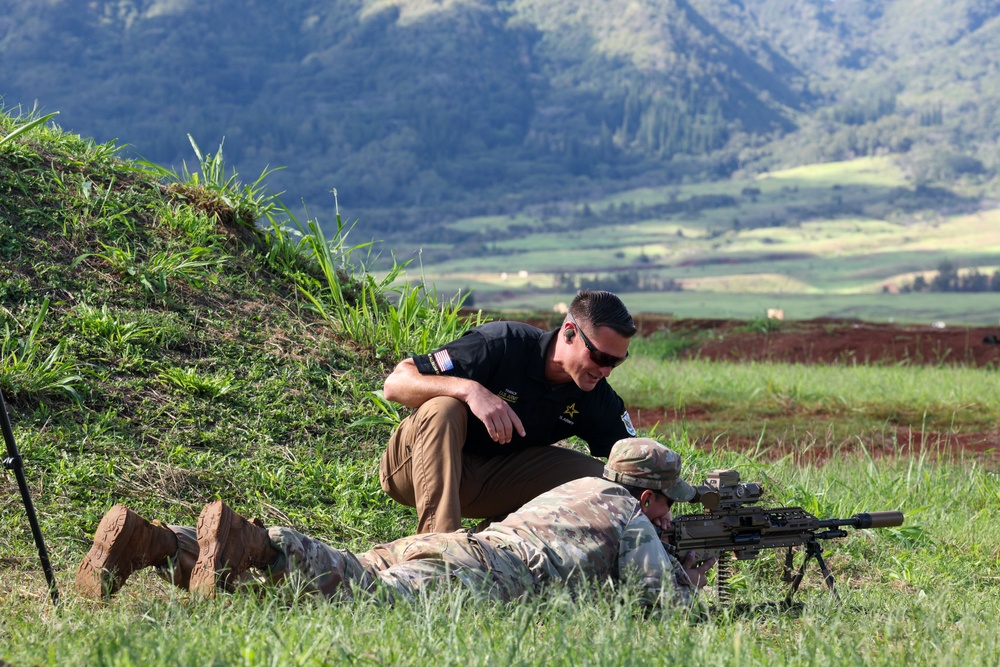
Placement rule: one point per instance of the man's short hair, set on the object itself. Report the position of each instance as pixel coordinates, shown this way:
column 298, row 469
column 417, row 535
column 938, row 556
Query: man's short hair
column 603, row 309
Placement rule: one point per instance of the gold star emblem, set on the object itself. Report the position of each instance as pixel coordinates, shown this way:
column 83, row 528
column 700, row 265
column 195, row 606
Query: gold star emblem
column 571, row 410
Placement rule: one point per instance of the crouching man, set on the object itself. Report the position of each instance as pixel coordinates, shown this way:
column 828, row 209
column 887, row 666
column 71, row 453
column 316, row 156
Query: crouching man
column 590, row 529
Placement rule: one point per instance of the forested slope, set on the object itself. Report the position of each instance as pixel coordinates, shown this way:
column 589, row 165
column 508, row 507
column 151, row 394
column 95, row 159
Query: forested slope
column 411, row 105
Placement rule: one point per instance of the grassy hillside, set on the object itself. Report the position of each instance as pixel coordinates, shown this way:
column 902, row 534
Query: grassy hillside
column 159, row 349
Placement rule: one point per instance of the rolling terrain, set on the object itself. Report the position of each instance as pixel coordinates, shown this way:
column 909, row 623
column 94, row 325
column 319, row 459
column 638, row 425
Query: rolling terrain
column 419, row 111
column 829, row 240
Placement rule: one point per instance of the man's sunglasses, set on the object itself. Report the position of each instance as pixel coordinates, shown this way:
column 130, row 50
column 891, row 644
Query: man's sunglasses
column 600, row 358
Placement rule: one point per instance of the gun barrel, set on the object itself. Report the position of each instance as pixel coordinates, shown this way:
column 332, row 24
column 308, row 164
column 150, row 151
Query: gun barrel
column 879, row 519
column 867, row 520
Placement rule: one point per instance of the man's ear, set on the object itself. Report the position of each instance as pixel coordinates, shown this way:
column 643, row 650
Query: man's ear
column 646, row 497
column 569, row 333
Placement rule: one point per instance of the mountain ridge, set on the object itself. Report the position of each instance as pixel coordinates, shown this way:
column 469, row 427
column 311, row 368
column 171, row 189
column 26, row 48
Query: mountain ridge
column 413, row 107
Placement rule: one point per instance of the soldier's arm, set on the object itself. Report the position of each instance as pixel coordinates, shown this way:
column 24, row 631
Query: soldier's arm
column 408, row 386
column 642, row 559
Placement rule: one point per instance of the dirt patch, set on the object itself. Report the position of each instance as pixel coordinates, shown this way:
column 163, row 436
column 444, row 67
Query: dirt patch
column 829, row 341
column 825, row 341
column 893, row 442
column 820, row 341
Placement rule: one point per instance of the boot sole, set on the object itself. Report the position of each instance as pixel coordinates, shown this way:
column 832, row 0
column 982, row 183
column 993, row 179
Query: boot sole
column 94, row 579
column 207, row 576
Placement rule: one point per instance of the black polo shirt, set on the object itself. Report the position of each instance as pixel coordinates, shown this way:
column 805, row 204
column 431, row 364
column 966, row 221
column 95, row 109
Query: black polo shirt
column 508, row 358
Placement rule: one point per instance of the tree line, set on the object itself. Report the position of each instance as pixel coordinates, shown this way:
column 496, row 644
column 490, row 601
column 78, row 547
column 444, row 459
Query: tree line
column 949, row 279
column 616, row 281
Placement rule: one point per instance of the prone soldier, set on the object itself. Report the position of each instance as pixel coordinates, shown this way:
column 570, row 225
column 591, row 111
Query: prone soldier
column 590, row 529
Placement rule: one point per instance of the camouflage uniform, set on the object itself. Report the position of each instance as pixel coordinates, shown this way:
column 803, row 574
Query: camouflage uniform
column 585, row 530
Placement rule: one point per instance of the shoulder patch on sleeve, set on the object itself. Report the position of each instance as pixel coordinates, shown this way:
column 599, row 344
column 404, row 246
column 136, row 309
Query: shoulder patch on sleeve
column 627, row 420
column 442, row 361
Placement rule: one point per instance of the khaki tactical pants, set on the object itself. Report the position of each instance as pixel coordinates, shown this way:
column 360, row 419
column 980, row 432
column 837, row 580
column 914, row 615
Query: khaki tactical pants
column 424, row 467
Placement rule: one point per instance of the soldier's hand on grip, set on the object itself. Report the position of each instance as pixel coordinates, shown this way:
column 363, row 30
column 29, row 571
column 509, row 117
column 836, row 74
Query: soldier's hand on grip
column 697, row 572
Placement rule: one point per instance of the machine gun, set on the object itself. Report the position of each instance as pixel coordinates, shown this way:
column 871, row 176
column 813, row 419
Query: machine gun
column 733, row 524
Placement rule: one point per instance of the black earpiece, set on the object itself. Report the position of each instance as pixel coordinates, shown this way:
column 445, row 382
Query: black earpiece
column 569, row 334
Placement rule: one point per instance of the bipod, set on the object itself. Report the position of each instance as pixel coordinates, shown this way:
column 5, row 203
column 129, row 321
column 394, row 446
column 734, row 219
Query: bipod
column 13, row 462
column 813, row 550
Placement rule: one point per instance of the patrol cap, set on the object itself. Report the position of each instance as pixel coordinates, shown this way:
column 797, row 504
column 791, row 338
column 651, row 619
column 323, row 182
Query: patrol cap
column 645, row 463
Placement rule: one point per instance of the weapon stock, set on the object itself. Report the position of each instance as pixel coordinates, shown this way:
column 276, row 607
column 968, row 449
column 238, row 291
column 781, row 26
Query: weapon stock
column 733, row 524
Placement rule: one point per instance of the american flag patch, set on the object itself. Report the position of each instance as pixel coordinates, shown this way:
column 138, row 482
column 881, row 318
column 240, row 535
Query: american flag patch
column 443, row 361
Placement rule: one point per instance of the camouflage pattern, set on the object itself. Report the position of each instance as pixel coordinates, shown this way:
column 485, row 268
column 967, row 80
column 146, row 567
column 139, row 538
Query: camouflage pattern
column 401, row 568
column 646, row 463
column 591, row 529
column 586, row 530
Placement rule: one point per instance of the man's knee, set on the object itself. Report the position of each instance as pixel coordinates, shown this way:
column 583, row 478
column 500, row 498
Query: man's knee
column 425, row 451
column 440, row 411
column 439, row 424
column 433, row 414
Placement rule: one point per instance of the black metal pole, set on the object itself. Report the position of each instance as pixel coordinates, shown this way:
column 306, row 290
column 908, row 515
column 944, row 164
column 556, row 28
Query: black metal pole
column 13, row 462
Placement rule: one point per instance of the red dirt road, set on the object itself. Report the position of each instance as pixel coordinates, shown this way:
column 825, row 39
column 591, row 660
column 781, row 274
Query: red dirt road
column 840, row 342
column 824, row 341
column 899, row 441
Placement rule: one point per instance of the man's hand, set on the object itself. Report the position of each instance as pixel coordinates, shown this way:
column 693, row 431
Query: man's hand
column 500, row 419
column 661, row 522
column 698, row 573
column 408, row 386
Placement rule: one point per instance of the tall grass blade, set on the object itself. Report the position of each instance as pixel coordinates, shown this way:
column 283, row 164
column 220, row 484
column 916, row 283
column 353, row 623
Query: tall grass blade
column 27, row 127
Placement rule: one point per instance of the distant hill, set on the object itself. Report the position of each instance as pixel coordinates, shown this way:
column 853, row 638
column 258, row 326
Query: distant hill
column 413, row 109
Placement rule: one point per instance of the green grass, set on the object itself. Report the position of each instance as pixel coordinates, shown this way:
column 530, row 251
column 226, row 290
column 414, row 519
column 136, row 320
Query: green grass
column 953, row 309
column 923, row 594
column 136, row 377
column 155, row 341
column 870, row 171
column 797, row 406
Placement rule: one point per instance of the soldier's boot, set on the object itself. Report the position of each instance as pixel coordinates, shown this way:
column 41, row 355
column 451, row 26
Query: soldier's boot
column 228, row 545
column 125, row 542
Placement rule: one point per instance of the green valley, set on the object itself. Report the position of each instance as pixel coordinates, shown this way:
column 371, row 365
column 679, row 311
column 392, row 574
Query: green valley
column 835, row 239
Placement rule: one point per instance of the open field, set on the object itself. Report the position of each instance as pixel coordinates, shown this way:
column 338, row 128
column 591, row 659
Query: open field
column 159, row 350
column 952, row 309
column 833, row 236
column 923, row 594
